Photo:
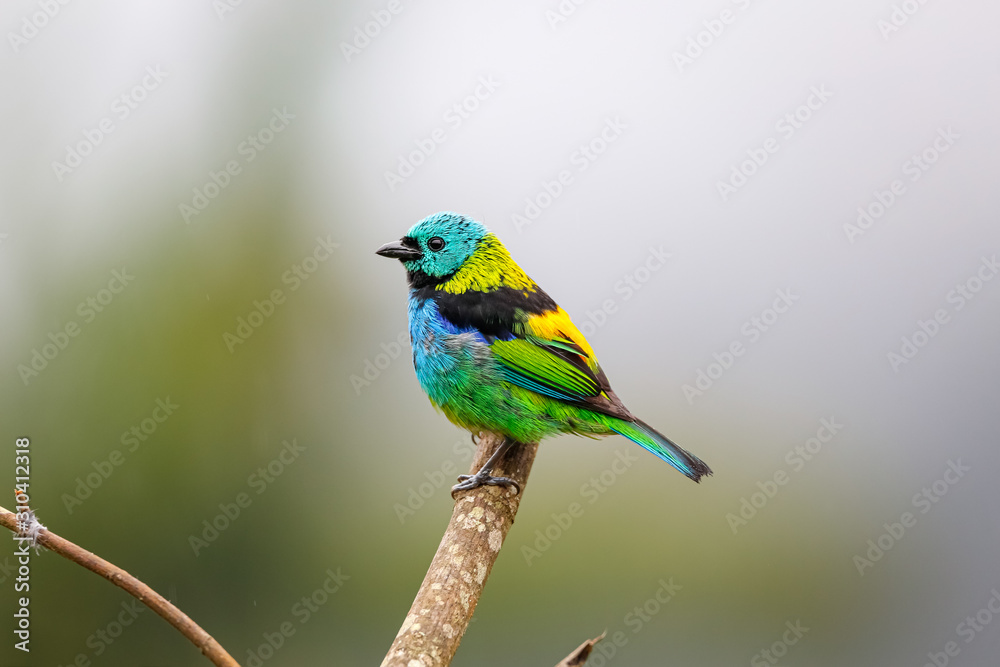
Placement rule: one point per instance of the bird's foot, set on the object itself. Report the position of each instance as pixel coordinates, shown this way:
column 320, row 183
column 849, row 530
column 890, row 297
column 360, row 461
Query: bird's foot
column 482, row 478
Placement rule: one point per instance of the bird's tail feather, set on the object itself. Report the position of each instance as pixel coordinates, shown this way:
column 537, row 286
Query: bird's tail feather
column 649, row 438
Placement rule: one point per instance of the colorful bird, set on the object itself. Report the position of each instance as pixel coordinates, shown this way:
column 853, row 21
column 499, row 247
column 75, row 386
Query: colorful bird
column 496, row 353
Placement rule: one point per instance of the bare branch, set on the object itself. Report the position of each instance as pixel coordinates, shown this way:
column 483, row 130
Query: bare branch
column 581, row 653
column 119, row 577
column 447, row 598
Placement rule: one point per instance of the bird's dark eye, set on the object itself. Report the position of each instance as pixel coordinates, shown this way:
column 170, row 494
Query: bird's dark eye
column 435, row 243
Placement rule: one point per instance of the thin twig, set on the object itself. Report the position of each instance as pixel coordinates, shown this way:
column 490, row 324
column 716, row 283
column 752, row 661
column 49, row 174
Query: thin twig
column 580, row 654
column 447, row 598
column 119, row 577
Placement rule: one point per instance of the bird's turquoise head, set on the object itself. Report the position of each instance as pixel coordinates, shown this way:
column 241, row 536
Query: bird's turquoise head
column 436, row 247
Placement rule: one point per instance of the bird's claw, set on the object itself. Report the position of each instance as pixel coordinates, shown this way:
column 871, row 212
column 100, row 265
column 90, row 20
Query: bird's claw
column 467, row 482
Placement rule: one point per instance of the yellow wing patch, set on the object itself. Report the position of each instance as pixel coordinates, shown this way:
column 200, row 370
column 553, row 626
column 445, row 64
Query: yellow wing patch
column 555, row 325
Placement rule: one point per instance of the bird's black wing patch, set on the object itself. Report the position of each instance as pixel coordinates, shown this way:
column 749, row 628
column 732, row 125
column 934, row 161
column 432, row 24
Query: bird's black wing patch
column 497, row 313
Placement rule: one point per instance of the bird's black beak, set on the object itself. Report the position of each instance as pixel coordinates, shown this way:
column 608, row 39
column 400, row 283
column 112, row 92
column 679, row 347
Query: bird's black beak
column 399, row 250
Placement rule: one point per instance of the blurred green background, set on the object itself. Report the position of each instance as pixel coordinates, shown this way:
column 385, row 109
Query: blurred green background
column 324, row 370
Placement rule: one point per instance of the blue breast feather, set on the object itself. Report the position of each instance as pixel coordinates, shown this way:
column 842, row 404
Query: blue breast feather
column 444, row 355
